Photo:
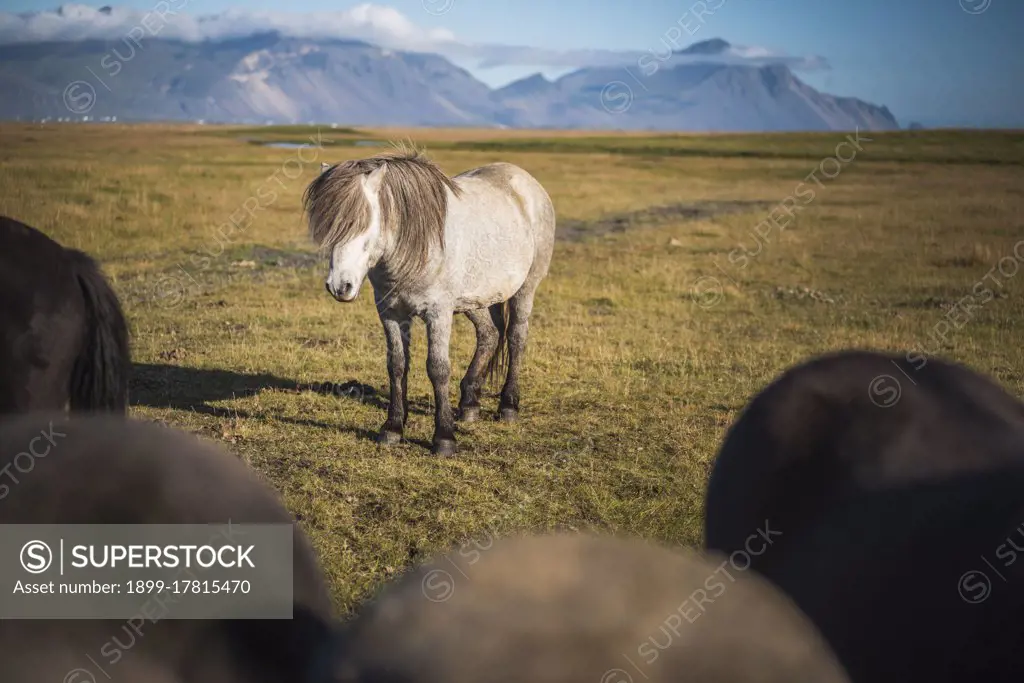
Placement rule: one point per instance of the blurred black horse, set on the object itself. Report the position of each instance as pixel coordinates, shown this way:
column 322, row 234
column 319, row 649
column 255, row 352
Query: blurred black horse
column 896, row 491
column 63, row 336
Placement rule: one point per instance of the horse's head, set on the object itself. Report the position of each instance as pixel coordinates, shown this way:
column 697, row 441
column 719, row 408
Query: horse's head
column 344, row 210
column 387, row 212
column 352, row 259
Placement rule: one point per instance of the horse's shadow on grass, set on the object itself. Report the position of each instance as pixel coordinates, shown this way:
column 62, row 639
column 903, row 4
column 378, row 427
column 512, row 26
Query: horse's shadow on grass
column 181, row 388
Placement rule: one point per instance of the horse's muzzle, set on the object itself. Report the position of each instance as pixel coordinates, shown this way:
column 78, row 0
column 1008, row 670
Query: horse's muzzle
column 345, row 292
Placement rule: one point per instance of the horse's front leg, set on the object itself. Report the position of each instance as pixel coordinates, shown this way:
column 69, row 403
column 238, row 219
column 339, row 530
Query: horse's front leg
column 439, row 369
column 396, row 332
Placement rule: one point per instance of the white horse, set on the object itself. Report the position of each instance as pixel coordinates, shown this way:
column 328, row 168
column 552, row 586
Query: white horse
column 432, row 246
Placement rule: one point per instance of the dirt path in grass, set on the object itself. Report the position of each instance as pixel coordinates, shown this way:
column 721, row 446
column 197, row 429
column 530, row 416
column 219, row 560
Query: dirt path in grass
column 255, row 263
column 652, row 216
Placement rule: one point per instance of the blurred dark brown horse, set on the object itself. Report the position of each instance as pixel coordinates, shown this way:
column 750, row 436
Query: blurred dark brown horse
column 579, row 609
column 110, row 470
column 63, row 336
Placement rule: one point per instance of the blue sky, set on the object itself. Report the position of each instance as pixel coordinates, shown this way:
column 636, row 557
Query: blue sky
column 927, row 60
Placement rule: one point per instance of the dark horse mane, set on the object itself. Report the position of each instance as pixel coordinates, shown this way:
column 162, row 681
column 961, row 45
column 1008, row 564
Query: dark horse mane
column 66, row 340
column 99, row 379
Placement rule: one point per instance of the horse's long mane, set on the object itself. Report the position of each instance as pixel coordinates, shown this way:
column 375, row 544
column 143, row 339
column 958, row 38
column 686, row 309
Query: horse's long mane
column 413, row 205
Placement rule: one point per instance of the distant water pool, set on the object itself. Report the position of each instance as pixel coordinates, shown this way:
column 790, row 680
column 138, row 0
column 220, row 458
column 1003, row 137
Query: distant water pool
column 300, row 145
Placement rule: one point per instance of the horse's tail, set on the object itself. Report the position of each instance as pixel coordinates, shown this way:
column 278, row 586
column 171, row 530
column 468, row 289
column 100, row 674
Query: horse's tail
column 499, row 361
column 99, row 378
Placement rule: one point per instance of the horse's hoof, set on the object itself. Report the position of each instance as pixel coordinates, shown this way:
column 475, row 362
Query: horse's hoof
column 469, row 414
column 508, row 415
column 444, row 448
column 389, row 438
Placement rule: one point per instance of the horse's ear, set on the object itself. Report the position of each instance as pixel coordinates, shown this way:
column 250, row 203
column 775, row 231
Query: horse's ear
column 373, row 179
column 324, row 166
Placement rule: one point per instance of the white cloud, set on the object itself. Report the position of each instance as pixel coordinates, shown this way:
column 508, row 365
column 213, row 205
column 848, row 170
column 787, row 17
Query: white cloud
column 377, row 24
column 169, row 19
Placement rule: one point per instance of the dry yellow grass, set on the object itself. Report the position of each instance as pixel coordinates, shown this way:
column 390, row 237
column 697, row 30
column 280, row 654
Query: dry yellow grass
column 631, row 376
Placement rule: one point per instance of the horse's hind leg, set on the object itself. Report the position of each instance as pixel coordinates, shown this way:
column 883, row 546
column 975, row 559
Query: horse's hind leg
column 483, row 320
column 520, row 307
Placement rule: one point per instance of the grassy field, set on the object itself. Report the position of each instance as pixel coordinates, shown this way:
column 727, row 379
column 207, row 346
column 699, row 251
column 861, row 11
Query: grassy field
column 670, row 302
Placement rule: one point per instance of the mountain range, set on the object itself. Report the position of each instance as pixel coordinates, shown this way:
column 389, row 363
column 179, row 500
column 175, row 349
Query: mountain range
column 273, row 78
